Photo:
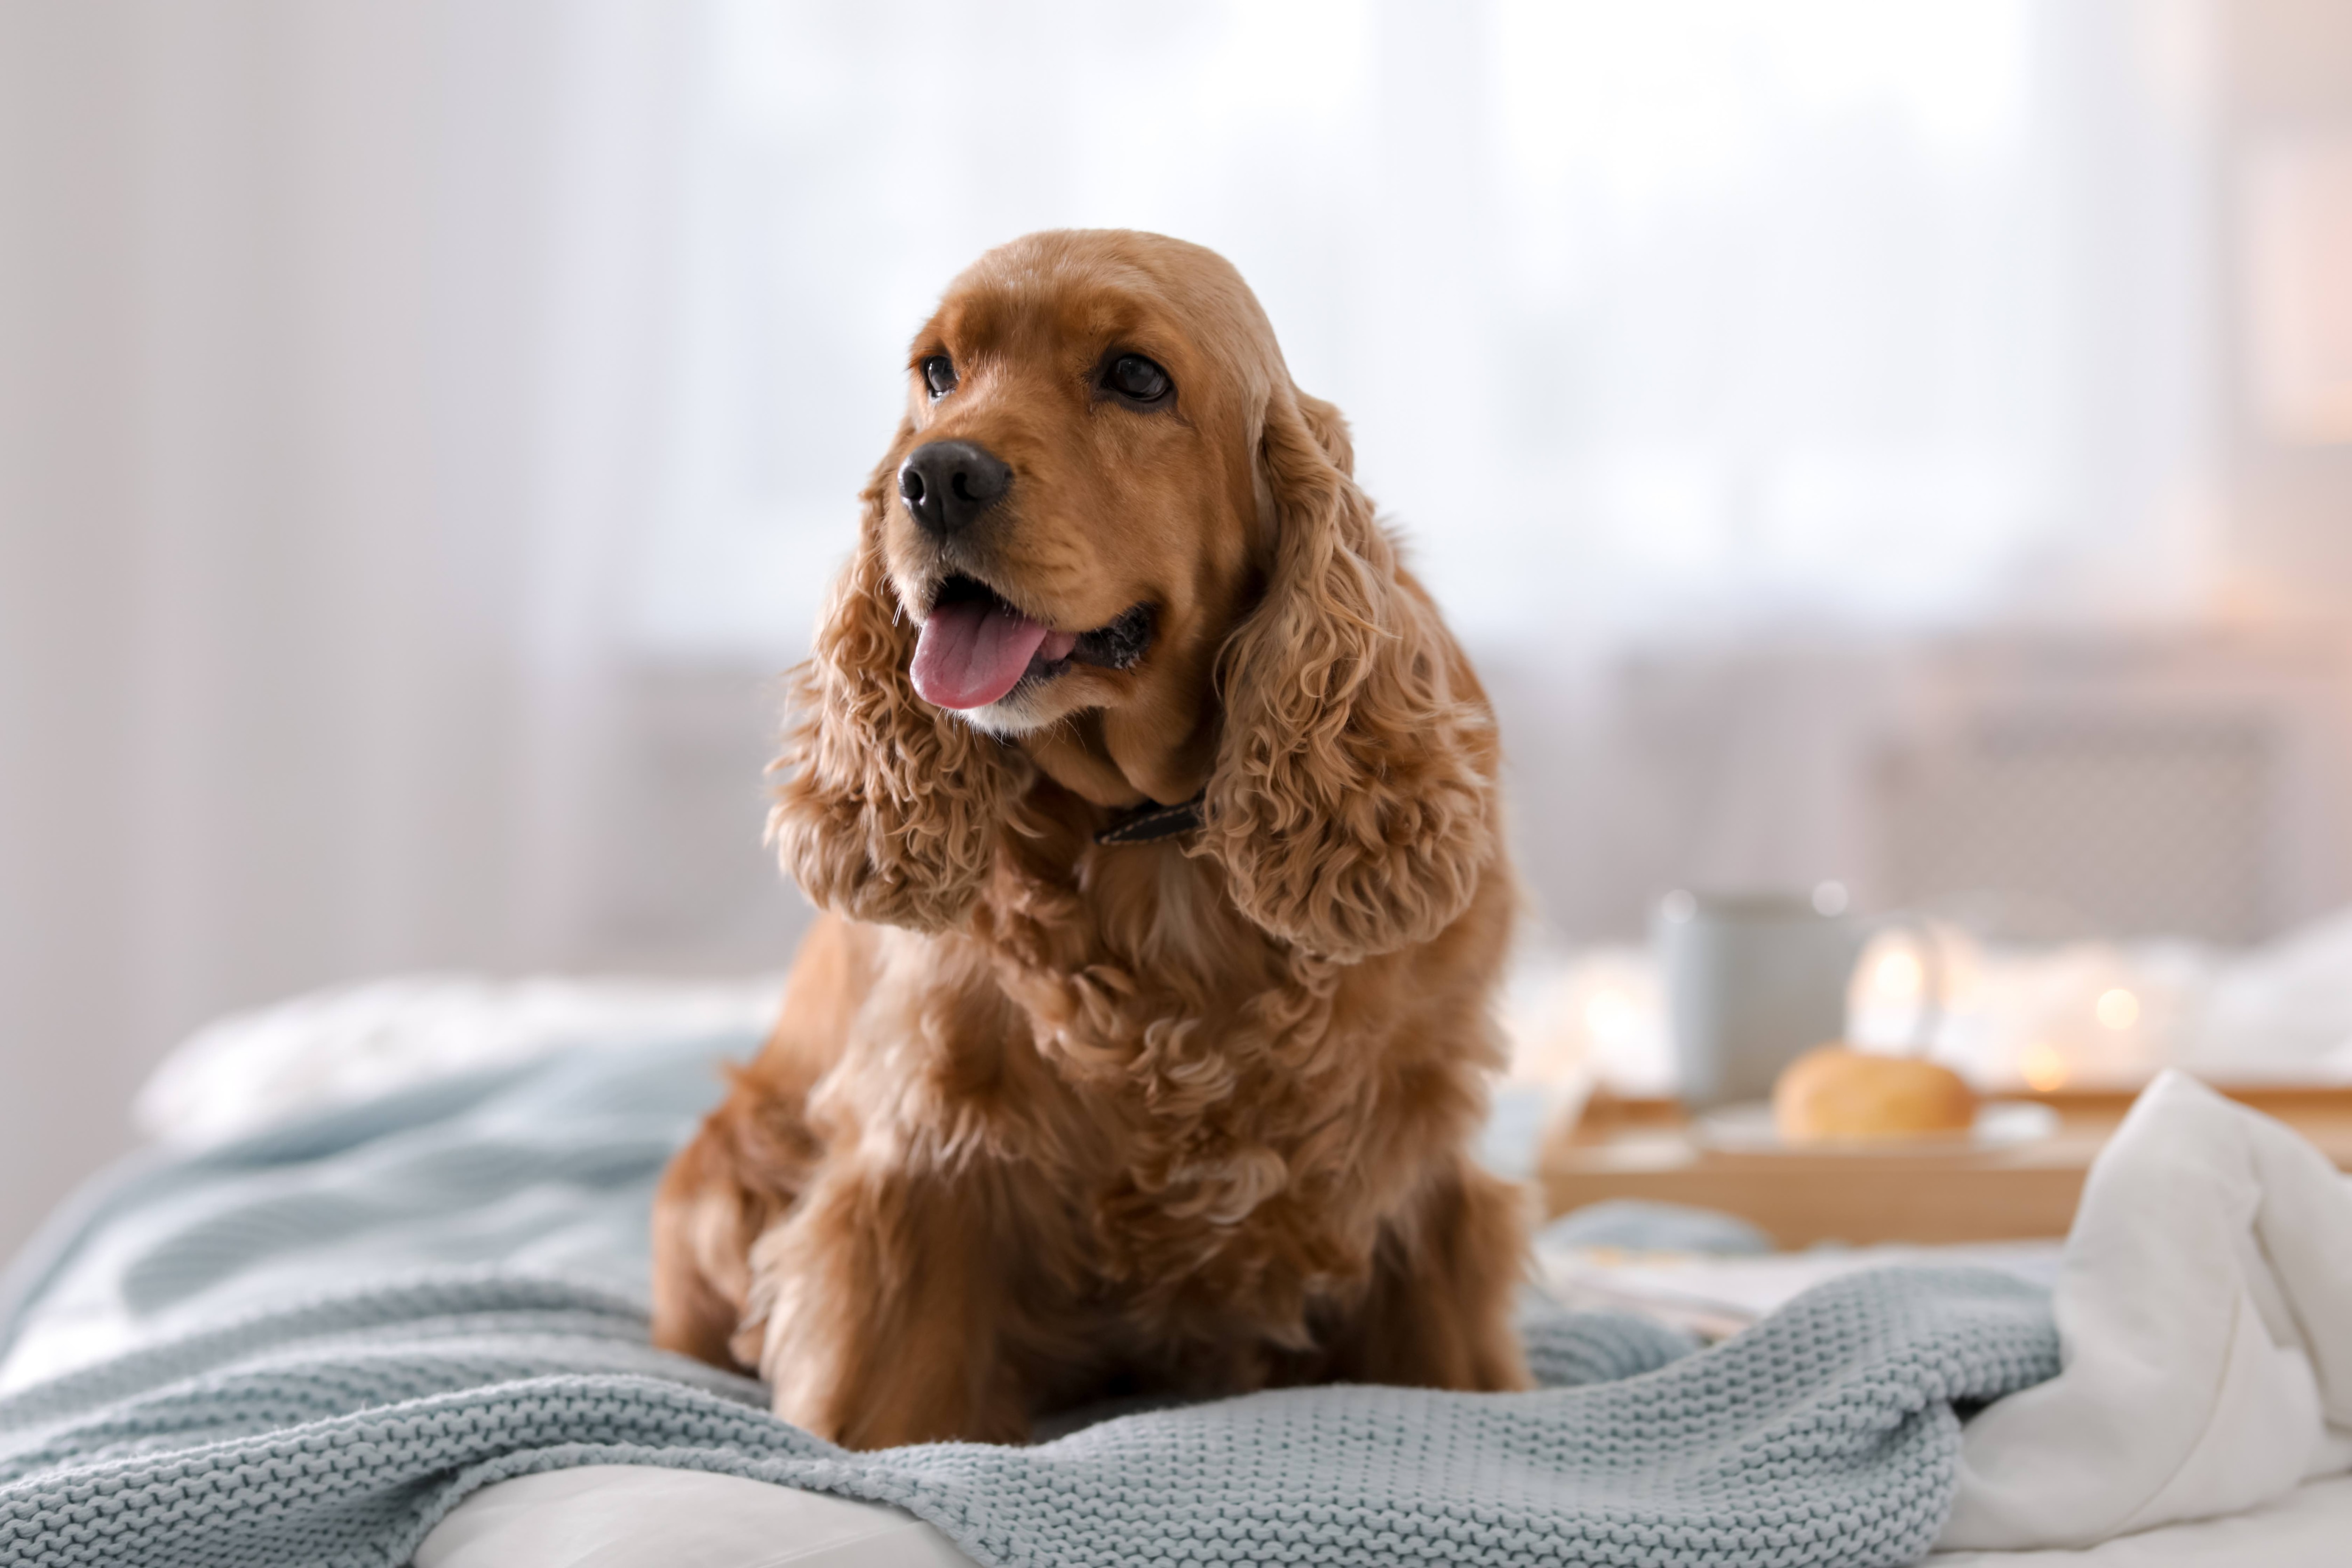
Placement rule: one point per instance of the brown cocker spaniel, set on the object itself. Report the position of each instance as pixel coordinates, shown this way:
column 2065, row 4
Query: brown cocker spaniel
column 1152, row 808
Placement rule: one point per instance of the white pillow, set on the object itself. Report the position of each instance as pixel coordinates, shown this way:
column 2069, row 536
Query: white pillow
column 349, row 1043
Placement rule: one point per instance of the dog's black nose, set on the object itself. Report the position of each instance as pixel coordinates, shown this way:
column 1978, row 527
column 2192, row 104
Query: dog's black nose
column 948, row 484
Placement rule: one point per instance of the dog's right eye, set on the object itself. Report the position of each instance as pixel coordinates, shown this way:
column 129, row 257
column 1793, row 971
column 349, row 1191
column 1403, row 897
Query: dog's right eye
column 1137, row 379
column 939, row 375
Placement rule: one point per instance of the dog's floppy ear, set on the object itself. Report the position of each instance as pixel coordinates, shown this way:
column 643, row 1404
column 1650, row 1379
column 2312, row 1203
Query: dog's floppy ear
column 1353, row 800
column 888, row 808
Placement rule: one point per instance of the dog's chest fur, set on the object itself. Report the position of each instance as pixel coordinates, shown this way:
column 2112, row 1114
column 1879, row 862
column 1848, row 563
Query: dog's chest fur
column 1248, row 1119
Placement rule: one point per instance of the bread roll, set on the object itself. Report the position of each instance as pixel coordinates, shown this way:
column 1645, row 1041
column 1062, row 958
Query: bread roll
column 1833, row 1093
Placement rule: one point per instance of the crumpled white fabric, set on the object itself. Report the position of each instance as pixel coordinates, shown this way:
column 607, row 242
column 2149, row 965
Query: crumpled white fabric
column 2204, row 1314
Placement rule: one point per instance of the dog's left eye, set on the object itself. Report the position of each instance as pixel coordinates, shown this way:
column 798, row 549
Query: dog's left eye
column 1134, row 377
column 939, row 375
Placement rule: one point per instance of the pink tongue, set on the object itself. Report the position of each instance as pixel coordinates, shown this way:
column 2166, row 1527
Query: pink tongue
column 969, row 654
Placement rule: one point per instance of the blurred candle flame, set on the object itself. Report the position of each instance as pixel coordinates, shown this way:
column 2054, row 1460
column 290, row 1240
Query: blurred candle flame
column 1609, row 1015
column 2042, row 1066
column 1897, row 977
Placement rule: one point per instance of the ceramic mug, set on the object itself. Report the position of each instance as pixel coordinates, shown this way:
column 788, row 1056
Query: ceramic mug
column 1753, row 981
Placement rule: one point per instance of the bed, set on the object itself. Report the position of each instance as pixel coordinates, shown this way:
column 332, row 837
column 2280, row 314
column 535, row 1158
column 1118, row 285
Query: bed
column 344, row 1122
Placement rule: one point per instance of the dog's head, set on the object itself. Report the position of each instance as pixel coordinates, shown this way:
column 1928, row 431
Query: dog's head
column 1112, row 534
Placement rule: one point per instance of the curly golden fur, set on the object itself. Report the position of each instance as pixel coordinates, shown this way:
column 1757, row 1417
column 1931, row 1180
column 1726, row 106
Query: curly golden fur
column 1046, row 1119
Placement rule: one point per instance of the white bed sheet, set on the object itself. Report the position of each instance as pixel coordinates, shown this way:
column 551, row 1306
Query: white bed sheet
column 2311, row 1527
column 621, row 1516
column 636, row 1516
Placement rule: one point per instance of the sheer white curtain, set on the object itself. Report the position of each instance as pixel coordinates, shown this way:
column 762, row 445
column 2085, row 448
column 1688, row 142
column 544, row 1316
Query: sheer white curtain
column 329, row 393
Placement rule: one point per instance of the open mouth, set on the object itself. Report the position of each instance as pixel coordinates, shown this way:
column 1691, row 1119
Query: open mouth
column 976, row 647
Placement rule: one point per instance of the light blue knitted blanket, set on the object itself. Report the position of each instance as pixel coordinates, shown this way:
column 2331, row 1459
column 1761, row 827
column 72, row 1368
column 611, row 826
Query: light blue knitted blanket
column 345, row 1326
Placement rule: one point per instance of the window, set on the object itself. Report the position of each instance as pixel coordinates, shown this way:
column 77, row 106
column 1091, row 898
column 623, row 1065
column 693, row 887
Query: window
column 1691, row 313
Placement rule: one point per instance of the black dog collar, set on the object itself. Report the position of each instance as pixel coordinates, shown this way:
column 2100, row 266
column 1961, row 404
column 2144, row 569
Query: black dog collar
column 1151, row 821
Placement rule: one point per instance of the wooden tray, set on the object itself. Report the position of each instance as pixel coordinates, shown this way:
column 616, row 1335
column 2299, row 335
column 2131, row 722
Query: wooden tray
column 1626, row 1148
